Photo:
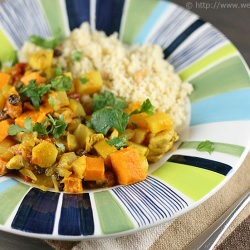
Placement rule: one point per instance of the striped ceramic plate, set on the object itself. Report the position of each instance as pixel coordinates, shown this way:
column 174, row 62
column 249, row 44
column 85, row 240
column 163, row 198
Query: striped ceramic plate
column 220, row 114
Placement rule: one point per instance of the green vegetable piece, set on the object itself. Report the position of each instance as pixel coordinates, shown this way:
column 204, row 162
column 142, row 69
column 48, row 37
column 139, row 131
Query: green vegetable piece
column 51, row 101
column 58, row 70
column 107, row 118
column 118, row 142
column 106, row 99
column 34, row 92
column 84, row 80
column 206, row 146
column 58, row 126
column 146, row 107
column 44, row 43
column 63, row 83
column 76, row 56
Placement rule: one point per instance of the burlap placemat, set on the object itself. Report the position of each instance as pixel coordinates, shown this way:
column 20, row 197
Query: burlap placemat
column 177, row 235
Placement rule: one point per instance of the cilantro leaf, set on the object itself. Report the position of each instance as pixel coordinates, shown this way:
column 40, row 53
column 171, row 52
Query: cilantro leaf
column 118, row 142
column 107, row 98
column 28, row 124
column 40, row 129
column 15, row 128
column 51, row 101
column 34, row 92
column 146, row 107
column 206, row 146
column 63, row 83
column 106, row 118
column 84, row 80
column 58, row 126
column 76, row 56
column 44, row 43
column 58, row 70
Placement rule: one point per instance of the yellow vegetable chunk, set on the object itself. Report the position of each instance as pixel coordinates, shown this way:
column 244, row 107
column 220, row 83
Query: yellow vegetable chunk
column 2, row 101
column 89, row 83
column 41, row 60
column 58, row 99
column 44, row 154
column 79, row 166
column 5, row 149
column 104, row 149
column 4, row 80
column 15, row 162
column 81, row 133
column 77, row 108
column 139, row 135
column 142, row 149
column 28, row 173
column 72, row 142
column 159, row 122
column 66, row 160
column 139, row 120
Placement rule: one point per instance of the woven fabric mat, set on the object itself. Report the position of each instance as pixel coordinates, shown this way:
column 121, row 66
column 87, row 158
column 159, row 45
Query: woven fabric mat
column 179, row 233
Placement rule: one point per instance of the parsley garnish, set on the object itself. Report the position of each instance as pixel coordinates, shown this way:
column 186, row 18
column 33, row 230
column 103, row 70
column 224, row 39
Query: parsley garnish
column 44, row 43
column 107, row 99
column 84, row 80
column 106, row 118
column 146, row 107
column 57, row 127
column 58, row 70
column 53, row 127
column 63, row 83
column 34, row 92
column 206, row 146
column 51, row 101
column 118, row 142
column 76, row 56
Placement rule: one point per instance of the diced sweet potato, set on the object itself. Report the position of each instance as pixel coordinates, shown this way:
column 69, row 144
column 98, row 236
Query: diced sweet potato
column 36, row 116
column 129, row 166
column 33, row 76
column 94, row 169
column 72, row 184
column 4, row 80
column 4, row 127
column 3, row 169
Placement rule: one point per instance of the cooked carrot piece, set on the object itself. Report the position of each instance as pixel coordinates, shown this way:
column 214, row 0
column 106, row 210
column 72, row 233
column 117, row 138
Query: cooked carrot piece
column 36, row 116
column 4, row 127
column 3, row 170
column 4, row 80
column 72, row 184
column 94, row 169
column 129, row 166
column 33, row 76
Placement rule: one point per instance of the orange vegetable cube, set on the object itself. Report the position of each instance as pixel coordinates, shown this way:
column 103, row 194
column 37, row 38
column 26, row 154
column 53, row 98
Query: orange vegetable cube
column 3, row 170
column 72, row 184
column 36, row 116
column 33, row 76
column 129, row 166
column 4, row 80
column 4, row 127
column 94, row 169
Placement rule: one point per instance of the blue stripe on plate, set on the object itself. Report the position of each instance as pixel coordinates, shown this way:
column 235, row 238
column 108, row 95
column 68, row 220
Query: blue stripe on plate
column 15, row 18
column 78, row 12
column 230, row 106
column 151, row 21
column 76, row 215
column 211, row 165
column 141, row 201
column 4, row 185
column 207, row 40
column 108, row 15
column 36, row 213
column 183, row 36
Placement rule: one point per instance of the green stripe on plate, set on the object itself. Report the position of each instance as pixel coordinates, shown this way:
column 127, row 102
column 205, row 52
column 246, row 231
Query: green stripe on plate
column 133, row 22
column 227, row 50
column 231, row 149
column 229, row 75
column 192, row 181
column 112, row 216
column 54, row 16
column 7, row 51
column 9, row 200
